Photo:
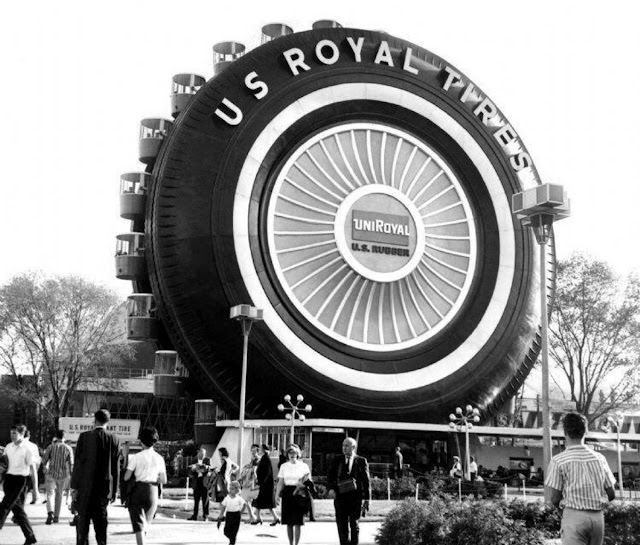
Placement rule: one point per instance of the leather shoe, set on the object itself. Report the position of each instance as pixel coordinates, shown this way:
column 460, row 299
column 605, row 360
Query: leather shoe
column 31, row 540
column 49, row 518
column 192, row 517
column 277, row 521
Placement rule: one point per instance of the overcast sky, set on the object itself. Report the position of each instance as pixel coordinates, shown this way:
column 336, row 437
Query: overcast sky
column 78, row 76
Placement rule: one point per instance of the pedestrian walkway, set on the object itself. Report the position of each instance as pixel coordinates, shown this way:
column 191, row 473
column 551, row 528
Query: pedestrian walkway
column 167, row 530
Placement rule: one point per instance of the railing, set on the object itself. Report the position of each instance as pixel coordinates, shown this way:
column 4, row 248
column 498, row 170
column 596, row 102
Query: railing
column 119, row 373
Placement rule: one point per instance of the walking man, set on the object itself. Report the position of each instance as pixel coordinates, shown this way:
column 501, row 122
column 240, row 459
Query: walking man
column 349, row 482
column 21, row 466
column 94, row 481
column 58, row 464
column 580, row 478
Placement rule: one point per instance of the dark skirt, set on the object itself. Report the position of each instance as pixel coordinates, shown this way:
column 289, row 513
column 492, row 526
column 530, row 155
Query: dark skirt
column 143, row 504
column 292, row 510
column 231, row 525
column 265, row 499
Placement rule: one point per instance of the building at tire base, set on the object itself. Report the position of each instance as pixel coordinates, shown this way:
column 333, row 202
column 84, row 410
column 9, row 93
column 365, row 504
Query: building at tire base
column 356, row 188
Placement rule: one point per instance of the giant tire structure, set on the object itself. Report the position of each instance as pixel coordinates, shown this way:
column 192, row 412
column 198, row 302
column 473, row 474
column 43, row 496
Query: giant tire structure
column 357, row 188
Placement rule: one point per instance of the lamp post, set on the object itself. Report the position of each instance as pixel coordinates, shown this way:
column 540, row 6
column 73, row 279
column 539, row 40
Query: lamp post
column 246, row 315
column 538, row 207
column 292, row 411
column 462, row 421
column 616, row 422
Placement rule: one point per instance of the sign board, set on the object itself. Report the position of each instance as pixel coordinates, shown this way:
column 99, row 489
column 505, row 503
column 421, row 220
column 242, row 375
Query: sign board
column 520, row 464
column 327, row 430
column 126, row 430
column 555, row 405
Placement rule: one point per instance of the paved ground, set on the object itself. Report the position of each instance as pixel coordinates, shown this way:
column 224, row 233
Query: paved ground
column 170, row 527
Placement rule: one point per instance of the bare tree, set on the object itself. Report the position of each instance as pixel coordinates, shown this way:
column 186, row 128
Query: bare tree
column 56, row 333
column 595, row 335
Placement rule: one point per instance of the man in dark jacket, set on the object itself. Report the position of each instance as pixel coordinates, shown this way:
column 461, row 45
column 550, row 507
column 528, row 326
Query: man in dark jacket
column 349, row 482
column 200, row 473
column 94, row 481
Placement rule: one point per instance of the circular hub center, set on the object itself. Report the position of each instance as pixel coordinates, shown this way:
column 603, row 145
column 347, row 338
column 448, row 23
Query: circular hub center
column 379, row 233
column 371, row 236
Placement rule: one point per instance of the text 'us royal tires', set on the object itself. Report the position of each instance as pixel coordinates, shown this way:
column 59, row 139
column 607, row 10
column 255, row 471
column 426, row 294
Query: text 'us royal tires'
column 357, row 189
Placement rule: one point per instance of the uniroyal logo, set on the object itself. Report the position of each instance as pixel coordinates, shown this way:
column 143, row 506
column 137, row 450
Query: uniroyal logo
column 378, row 227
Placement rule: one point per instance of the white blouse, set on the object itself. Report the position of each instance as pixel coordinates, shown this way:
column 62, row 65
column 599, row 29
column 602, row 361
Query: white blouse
column 147, row 465
column 292, row 473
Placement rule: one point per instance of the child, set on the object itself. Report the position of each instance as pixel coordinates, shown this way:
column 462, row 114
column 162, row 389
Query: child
column 232, row 507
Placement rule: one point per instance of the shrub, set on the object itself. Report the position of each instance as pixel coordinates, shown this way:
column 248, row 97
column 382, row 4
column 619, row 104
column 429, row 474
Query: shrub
column 535, row 515
column 487, row 523
column 378, row 488
column 402, row 488
column 493, row 489
column 447, row 522
column 467, row 488
column 622, row 523
column 432, row 487
column 414, row 523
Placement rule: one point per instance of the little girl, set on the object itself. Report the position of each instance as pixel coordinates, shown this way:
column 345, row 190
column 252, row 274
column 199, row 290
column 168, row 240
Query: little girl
column 232, row 507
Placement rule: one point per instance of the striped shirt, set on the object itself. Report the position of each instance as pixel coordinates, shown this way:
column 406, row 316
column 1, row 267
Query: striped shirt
column 59, row 456
column 582, row 476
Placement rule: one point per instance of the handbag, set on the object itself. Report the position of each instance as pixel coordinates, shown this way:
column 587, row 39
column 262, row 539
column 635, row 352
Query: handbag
column 302, row 497
column 347, row 485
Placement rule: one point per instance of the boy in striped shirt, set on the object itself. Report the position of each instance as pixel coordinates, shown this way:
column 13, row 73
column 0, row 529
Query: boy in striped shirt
column 58, row 461
column 580, row 478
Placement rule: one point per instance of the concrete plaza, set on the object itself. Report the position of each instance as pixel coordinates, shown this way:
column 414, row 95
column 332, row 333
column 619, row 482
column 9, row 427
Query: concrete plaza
column 172, row 528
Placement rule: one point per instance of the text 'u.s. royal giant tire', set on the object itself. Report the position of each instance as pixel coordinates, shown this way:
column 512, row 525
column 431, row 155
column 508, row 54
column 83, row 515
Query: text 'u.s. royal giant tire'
column 357, row 188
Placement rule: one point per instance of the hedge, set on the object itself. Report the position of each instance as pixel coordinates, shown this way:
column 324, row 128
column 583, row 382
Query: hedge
column 448, row 522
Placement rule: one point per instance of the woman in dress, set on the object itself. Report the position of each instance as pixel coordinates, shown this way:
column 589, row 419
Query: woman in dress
column 264, row 475
column 149, row 470
column 291, row 476
column 226, row 474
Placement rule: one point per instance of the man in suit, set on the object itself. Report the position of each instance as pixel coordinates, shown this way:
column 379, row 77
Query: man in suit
column 200, row 473
column 94, row 481
column 349, row 483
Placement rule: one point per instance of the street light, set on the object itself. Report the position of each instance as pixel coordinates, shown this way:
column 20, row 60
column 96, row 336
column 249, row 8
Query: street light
column 538, row 208
column 292, row 411
column 246, row 315
column 617, row 424
column 462, row 421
